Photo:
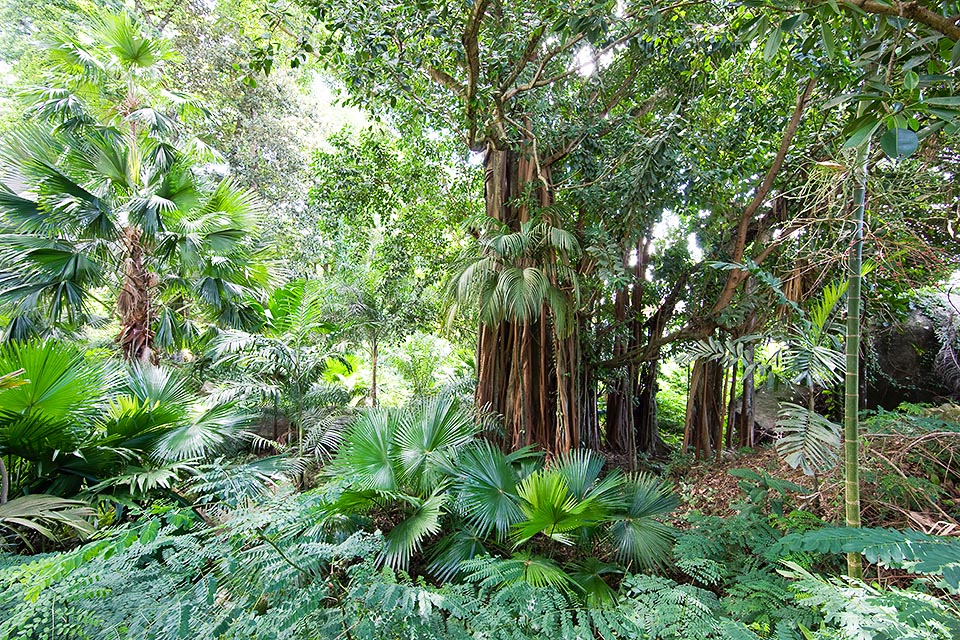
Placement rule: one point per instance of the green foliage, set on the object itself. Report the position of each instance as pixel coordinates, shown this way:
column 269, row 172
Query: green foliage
column 420, row 468
column 910, row 550
column 42, row 514
column 81, row 424
column 110, row 194
column 852, row 609
column 806, row 439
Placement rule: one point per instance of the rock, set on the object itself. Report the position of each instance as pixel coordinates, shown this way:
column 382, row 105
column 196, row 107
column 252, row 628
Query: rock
column 903, row 364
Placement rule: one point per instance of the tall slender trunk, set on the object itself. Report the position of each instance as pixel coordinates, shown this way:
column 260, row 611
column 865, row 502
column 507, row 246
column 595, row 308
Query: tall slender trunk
column 134, row 304
column 374, row 357
column 851, row 424
column 4, row 482
column 746, row 422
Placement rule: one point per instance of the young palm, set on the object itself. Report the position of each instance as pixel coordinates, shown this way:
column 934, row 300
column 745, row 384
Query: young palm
column 813, row 359
column 517, row 273
column 400, row 460
column 285, row 359
column 105, row 193
column 78, row 424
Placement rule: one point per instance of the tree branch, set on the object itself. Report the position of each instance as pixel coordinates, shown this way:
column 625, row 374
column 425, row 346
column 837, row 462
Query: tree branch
column 445, row 79
column 911, row 10
column 471, row 47
column 735, row 277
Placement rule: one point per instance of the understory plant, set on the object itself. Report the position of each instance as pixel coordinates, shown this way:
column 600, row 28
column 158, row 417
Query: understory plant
column 422, row 470
column 81, row 426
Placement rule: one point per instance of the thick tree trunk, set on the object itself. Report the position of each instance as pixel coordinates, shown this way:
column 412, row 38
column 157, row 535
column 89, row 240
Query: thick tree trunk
column 134, row 304
column 520, row 363
column 647, row 430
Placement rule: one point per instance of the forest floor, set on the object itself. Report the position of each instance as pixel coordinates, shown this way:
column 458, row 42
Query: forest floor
column 709, row 488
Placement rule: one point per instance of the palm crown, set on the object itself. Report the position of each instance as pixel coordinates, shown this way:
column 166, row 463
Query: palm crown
column 111, row 193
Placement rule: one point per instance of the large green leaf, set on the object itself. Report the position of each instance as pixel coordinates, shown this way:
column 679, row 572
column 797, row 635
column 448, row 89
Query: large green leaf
column 899, row 143
column 635, row 533
column 486, row 489
column 407, row 536
column 427, row 436
column 54, row 411
column 550, row 509
column 365, row 458
column 806, row 439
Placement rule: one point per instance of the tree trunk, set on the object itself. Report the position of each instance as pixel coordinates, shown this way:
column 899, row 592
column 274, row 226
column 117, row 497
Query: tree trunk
column 646, row 428
column 747, row 427
column 4, row 482
column 851, row 424
column 704, row 409
column 374, row 356
column 134, row 304
column 517, row 366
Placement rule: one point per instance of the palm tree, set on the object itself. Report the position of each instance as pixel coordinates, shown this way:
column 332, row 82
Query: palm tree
column 285, row 359
column 111, row 196
column 813, row 358
column 80, row 424
column 422, row 469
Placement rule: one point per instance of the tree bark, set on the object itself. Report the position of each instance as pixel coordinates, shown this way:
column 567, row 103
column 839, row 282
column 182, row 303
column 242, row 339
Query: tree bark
column 4, row 482
column 134, row 304
column 374, row 357
column 704, row 418
column 520, row 363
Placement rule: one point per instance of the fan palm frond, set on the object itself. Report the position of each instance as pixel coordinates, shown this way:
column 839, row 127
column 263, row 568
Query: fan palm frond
column 427, row 436
column 634, row 532
column 406, row 538
column 588, row 576
column 48, row 414
column 44, row 515
column 550, row 509
column 520, row 567
column 486, row 488
column 448, row 556
column 366, row 455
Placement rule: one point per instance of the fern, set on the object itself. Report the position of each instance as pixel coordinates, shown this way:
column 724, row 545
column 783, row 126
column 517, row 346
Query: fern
column 910, row 550
column 856, row 611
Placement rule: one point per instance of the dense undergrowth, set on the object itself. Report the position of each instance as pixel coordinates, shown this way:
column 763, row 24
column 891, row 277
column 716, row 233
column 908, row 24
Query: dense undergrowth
column 378, row 549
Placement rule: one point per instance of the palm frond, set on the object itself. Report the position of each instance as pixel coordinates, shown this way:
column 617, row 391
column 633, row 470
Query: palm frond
column 448, row 556
column 427, row 436
column 550, row 509
column 806, row 439
column 634, row 533
column 366, row 456
column 520, row 567
column 486, row 489
column 407, row 536
column 44, row 515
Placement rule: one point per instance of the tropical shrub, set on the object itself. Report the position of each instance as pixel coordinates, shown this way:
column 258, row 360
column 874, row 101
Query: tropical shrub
column 416, row 471
column 79, row 424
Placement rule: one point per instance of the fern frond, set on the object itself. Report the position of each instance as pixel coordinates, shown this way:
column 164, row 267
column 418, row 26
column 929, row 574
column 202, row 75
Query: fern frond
column 910, row 550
